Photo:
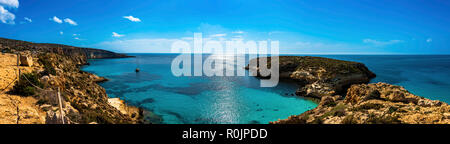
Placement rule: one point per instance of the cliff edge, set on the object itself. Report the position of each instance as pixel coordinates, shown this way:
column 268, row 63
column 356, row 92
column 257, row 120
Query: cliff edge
column 378, row 103
column 45, row 68
column 318, row 77
column 346, row 98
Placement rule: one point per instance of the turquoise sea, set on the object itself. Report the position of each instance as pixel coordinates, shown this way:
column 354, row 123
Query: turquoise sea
column 240, row 100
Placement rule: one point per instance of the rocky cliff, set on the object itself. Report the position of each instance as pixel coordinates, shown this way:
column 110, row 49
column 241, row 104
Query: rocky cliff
column 318, row 77
column 58, row 67
column 378, row 103
column 11, row 46
column 345, row 98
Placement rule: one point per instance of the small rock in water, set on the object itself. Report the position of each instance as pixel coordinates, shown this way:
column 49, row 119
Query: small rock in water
column 259, row 109
column 254, row 122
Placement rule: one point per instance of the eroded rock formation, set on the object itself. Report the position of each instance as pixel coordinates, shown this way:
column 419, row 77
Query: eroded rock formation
column 318, row 77
column 378, row 103
column 346, row 99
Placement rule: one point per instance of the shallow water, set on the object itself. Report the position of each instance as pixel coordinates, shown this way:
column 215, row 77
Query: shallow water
column 196, row 99
column 240, row 99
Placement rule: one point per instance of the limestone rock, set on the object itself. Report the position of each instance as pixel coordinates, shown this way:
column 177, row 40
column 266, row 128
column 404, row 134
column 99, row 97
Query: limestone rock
column 378, row 103
column 26, row 60
column 429, row 103
column 318, row 76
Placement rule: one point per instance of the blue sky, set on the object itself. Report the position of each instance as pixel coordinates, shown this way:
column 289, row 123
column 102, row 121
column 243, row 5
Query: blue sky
column 301, row 26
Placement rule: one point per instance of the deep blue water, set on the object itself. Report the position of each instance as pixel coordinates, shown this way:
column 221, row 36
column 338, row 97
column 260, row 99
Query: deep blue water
column 423, row 75
column 240, row 99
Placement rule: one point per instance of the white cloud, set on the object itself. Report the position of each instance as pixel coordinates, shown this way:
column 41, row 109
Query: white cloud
column 61, row 33
column 146, row 45
column 66, row 20
column 429, row 40
column 381, row 43
column 218, row 35
column 133, row 19
column 6, row 17
column 114, row 34
column 28, row 19
column 10, row 3
column 237, row 38
column 77, row 38
column 56, row 19
column 70, row 21
column 238, row 32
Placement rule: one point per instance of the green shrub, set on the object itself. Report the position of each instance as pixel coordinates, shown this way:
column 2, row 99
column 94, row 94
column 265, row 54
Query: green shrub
column 24, row 86
column 42, row 102
column 330, row 104
column 368, row 106
column 48, row 67
column 383, row 119
column 339, row 111
column 392, row 109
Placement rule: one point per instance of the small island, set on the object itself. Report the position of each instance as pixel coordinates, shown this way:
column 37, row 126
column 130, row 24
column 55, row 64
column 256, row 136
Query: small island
column 344, row 97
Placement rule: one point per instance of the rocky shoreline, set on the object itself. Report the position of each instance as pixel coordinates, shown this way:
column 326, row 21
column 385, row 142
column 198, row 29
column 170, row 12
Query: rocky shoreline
column 346, row 98
column 58, row 67
column 340, row 87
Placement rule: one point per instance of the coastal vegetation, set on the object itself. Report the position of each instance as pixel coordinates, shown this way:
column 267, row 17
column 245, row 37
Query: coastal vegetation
column 26, row 83
column 48, row 67
column 390, row 105
column 54, row 70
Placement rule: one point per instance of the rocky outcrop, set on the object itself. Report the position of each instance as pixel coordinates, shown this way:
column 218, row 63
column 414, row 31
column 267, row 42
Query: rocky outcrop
column 378, row 103
column 15, row 109
column 85, row 100
column 58, row 67
column 122, row 106
column 26, row 60
column 318, row 77
column 331, row 80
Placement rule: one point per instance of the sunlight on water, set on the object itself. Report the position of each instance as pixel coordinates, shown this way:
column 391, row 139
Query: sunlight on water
column 231, row 99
